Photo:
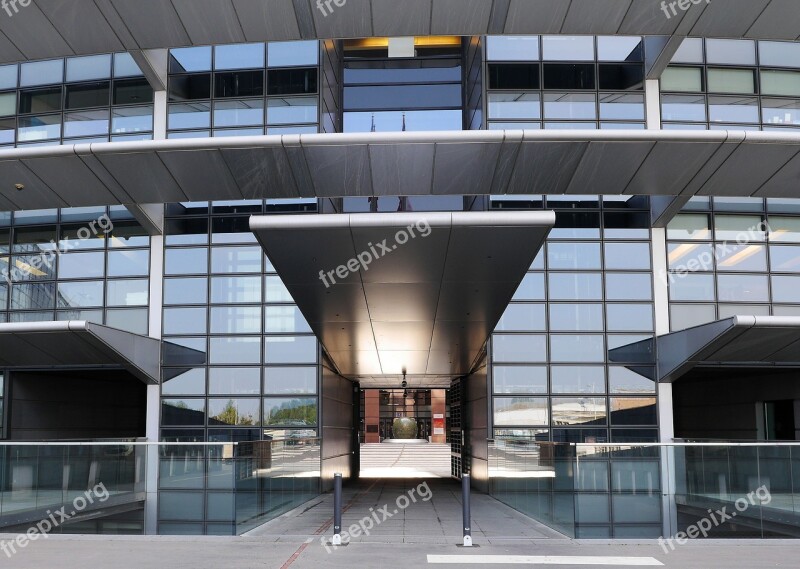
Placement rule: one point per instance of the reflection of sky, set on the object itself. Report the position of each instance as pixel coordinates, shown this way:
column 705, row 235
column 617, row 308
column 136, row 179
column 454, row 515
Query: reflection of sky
column 392, row 121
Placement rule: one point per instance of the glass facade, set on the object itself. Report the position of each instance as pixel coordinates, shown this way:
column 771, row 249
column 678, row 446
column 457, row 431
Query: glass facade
column 565, row 82
column 732, row 84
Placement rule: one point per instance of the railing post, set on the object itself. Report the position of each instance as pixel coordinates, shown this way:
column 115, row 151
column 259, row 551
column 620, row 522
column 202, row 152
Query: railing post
column 337, row 509
column 465, row 488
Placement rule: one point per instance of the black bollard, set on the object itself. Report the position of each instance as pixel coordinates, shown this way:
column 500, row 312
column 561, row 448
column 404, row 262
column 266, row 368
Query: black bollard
column 337, row 509
column 465, row 487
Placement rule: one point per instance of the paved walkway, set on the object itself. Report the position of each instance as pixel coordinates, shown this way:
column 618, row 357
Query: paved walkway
column 435, row 516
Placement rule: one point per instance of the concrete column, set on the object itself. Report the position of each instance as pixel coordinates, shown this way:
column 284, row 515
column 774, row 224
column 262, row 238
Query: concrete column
column 372, row 416
column 153, row 417
column 652, row 99
column 438, row 414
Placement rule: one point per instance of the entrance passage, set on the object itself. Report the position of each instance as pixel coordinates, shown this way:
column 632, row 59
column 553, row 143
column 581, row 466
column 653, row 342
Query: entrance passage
column 408, row 511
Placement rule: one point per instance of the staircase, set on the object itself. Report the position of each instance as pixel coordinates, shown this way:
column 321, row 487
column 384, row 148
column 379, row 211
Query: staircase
column 398, row 460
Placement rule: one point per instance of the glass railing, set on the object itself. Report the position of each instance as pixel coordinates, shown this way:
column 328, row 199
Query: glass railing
column 651, row 490
column 203, row 488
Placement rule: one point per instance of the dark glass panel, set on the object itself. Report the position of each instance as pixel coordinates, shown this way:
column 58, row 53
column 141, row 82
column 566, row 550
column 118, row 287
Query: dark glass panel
column 40, row 100
column 88, row 95
column 132, row 92
column 569, row 76
column 402, row 97
column 619, row 77
column 514, row 76
column 238, row 84
column 190, row 87
column 292, row 81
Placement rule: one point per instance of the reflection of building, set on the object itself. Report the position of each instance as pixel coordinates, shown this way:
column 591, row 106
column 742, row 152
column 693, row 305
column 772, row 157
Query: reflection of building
column 609, row 211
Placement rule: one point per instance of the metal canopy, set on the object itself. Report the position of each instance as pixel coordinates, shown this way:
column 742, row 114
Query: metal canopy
column 427, row 305
column 57, row 28
column 754, row 341
column 673, row 163
column 76, row 345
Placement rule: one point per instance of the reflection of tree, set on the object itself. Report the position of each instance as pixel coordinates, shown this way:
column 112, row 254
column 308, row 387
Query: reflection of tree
column 293, row 413
column 230, row 416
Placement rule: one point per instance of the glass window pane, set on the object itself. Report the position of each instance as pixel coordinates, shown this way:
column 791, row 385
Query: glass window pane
column 733, row 109
column 513, row 76
column 519, row 379
column 576, row 317
column 8, row 104
column 235, row 290
column 519, row 348
column 189, row 59
column 629, row 317
column 88, row 68
column 732, row 257
column 568, row 48
column 627, row 256
column 34, row 296
column 784, row 229
column 731, row 81
column 131, row 120
column 690, row 51
column 578, row 379
column 293, row 82
column 234, row 412
column 125, row 66
column 239, row 84
column 728, row 310
column 42, row 127
column 292, row 53
column 236, row 259
column 731, row 52
column 568, row 76
column 785, row 289
column 623, row 380
column 779, row 54
column 629, row 286
column 191, row 382
column 691, row 286
column 132, row 92
column 186, row 261
column 580, row 348
column 234, row 381
column 512, row 48
column 235, row 320
column 79, row 294
column 290, row 380
column 573, row 255
column 290, row 349
column 238, row 113
column 276, row 291
column 237, row 350
column 8, row 76
column 740, row 228
column 190, row 87
column 131, row 292
column 186, row 291
column 290, row 412
column 684, row 316
column 522, row 317
column 185, row 321
column 570, row 106
column 512, row 411
column 531, row 287
column 288, row 110
column 183, row 412
column 515, row 106
column 690, row 257
column 240, row 56
column 784, row 259
column 620, row 48
column 743, row 288
column 86, row 123
column 81, row 265
column 621, row 77
column 782, row 83
column 780, row 111
column 633, row 411
column 621, row 106
column 579, row 410
column 132, row 263
column 683, row 108
column 575, row 286
column 682, row 79
column 689, row 226
column 284, row 319
column 41, row 72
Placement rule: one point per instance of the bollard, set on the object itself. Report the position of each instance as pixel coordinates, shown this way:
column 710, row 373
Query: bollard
column 337, row 509
column 465, row 487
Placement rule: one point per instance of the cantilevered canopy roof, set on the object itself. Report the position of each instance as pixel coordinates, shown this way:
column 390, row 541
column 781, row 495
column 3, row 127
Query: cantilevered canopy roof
column 57, row 28
column 425, row 303
column 76, row 345
column 755, row 341
column 672, row 163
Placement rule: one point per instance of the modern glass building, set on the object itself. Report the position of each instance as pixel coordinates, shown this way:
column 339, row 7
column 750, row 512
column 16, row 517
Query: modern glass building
column 226, row 226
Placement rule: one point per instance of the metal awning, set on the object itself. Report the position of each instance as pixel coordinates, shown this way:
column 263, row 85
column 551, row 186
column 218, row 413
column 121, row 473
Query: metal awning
column 752, row 341
column 58, row 28
column 721, row 163
column 78, row 345
column 426, row 305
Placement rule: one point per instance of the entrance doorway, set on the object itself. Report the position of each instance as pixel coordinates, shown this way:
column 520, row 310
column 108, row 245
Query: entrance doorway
column 403, row 433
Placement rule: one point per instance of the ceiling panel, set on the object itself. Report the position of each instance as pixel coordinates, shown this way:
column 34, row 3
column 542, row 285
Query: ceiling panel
column 82, row 25
column 605, row 16
column 202, row 175
column 406, row 18
column 460, row 17
column 210, row 21
column 410, row 166
column 780, row 20
column 267, row 21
